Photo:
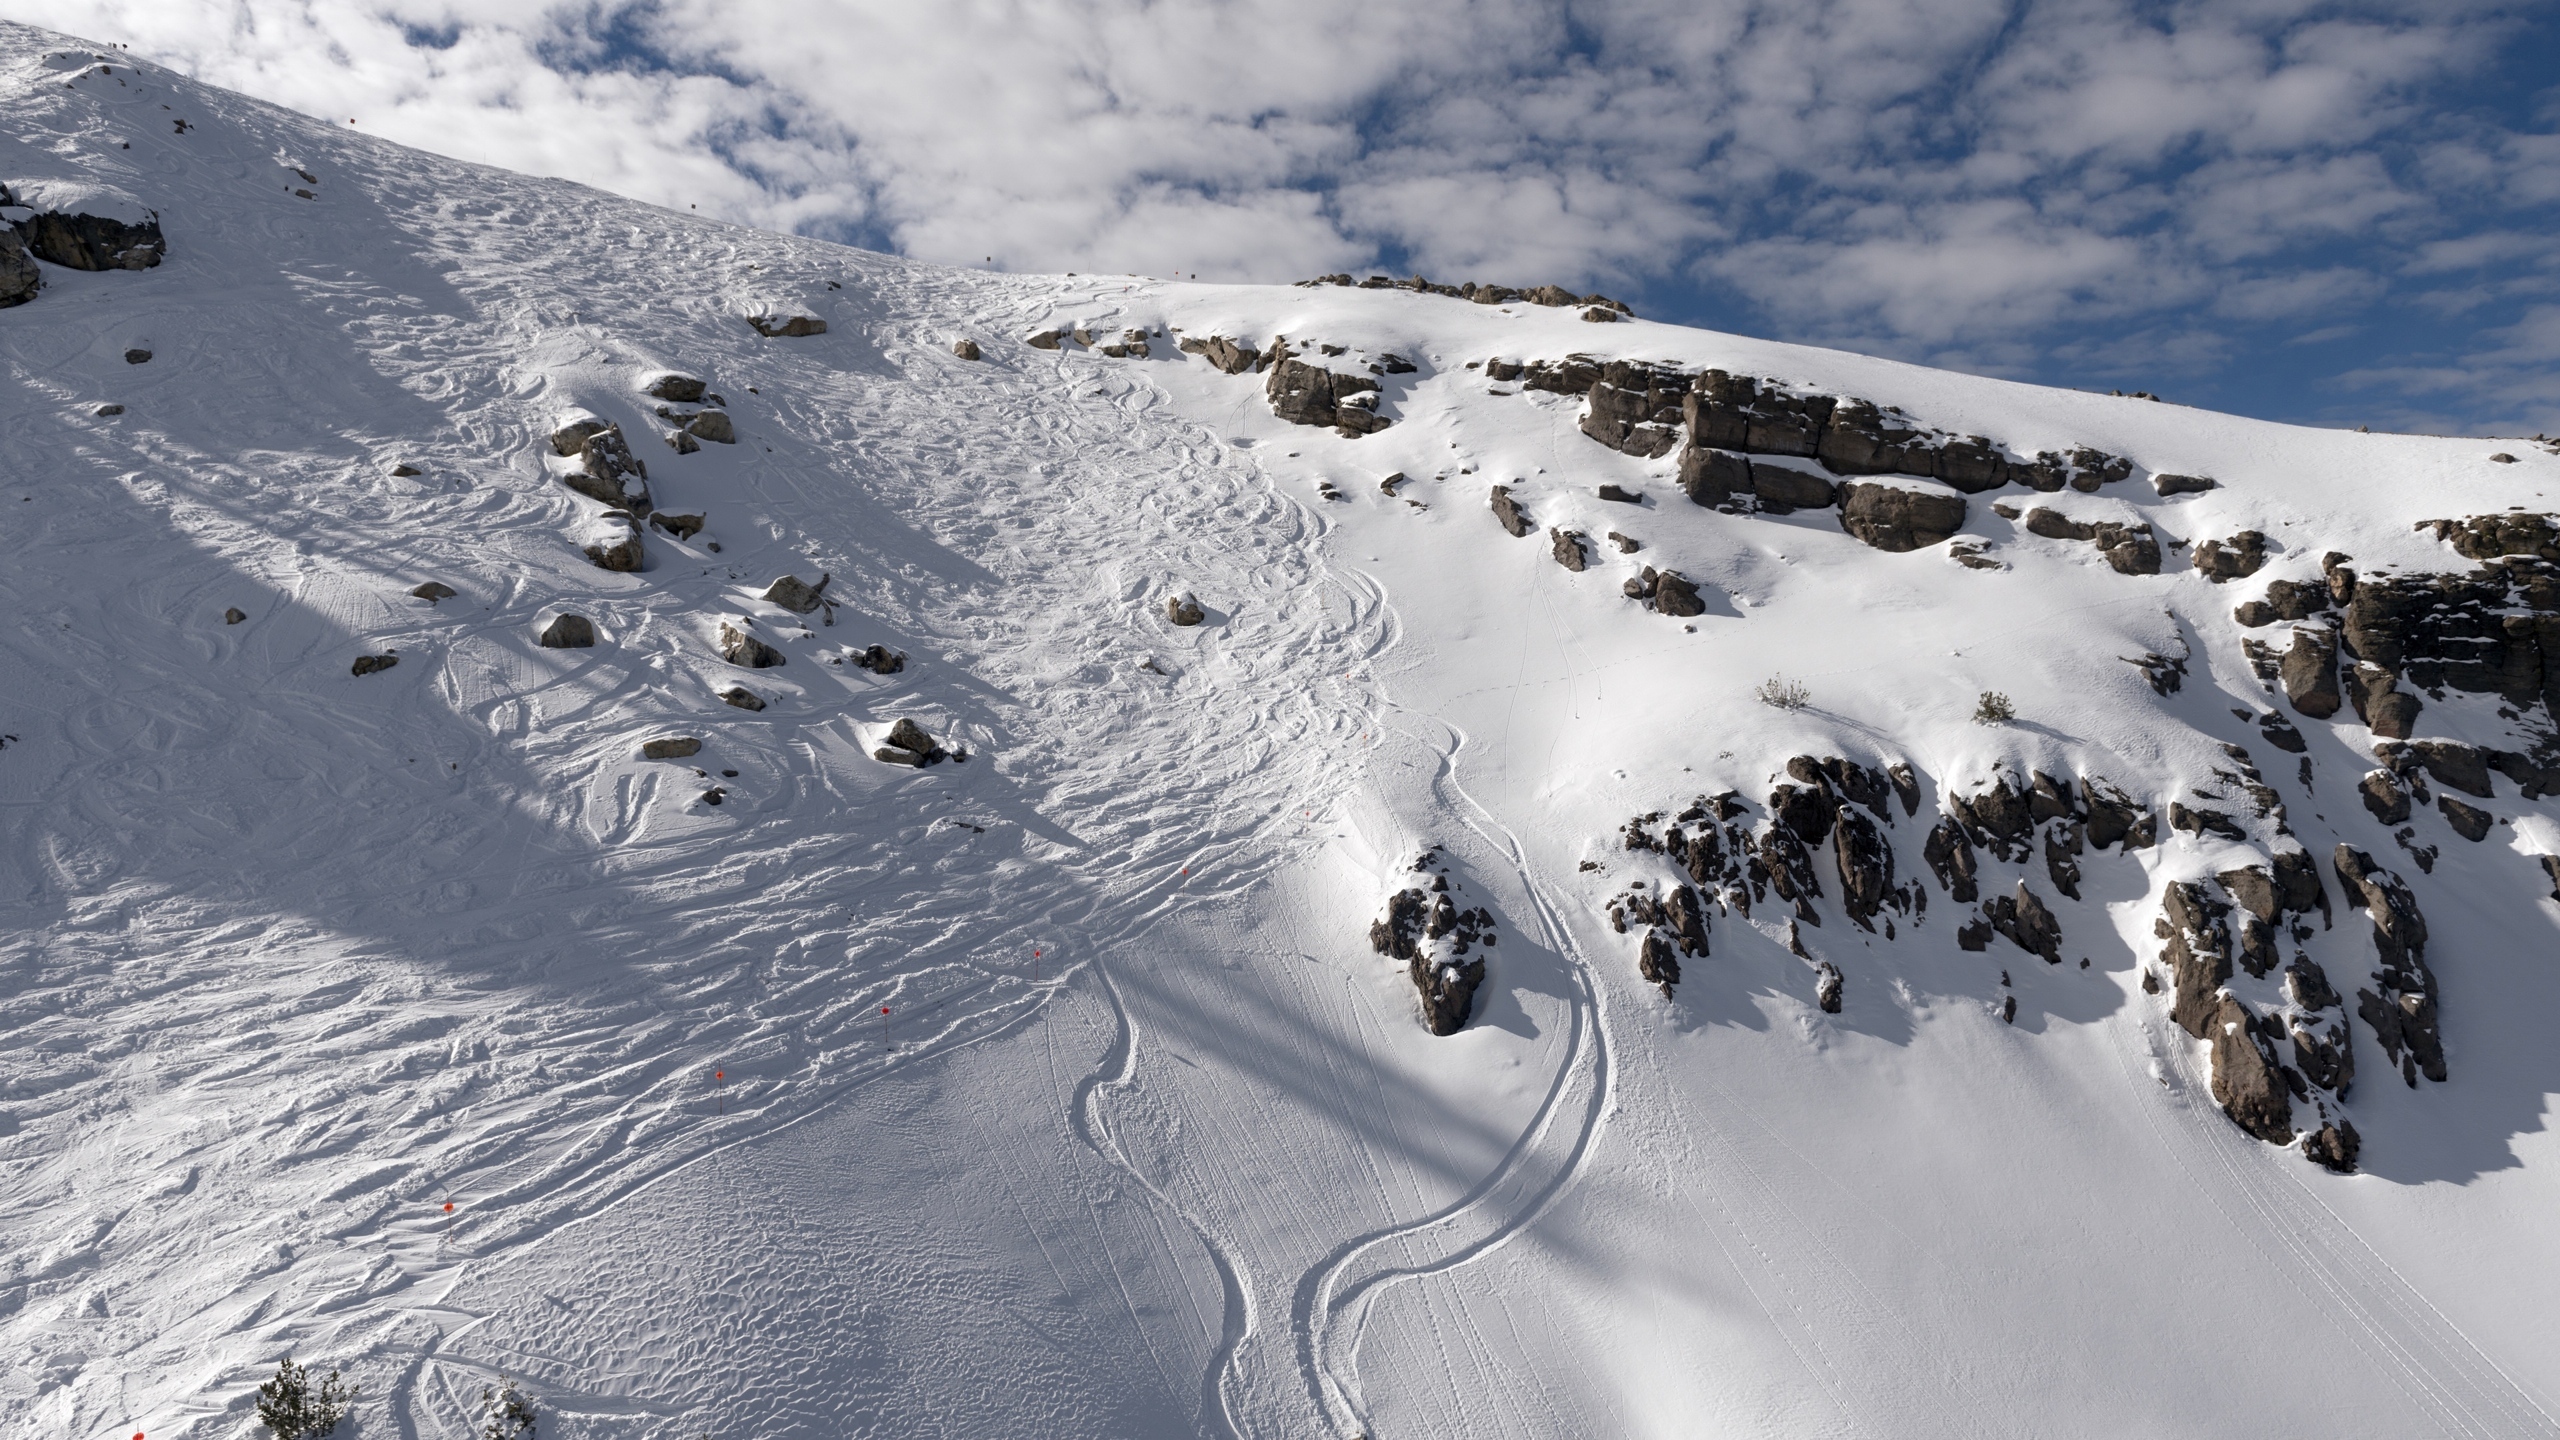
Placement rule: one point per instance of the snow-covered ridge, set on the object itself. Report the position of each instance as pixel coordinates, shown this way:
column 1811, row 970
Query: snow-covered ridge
column 470, row 698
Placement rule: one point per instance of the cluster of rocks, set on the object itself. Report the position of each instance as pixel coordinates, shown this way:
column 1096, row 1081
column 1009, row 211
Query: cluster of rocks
column 1600, row 307
column 695, row 412
column 908, row 744
column 1432, row 929
column 56, row 223
column 2130, row 548
column 793, row 327
column 1307, row 394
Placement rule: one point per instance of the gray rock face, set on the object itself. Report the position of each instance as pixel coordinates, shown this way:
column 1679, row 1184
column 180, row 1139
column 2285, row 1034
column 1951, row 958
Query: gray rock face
column 1865, row 863
column 2401, row 1007
column 2384, row 797
column 432, row 591
column 740, row 648
column 2451, row 763
column 567, row 632
column 1717, row 479
column 2236, row 558
column 2333, row 1147
column 797, row 595
column 609, row 473
column 2247, row 1081
column 965, row 349
column 1228, row 356
column 1894, row 519
column 793, row 327
column 373, row 664
column 2198, row 956
column 674, row 747
column 1508, row 511
column 1183, row 609
column 1304, row 394
column 1636, row 409
column 2129, row 549
column 1619, row 495
column 2310, row 671
column 1567, row 545
column 2113, row 816
column 93, row 242
column 2025, row 922
column 1782, row 491
column 571, row 436
column 1046, row 339
column 19, row 277
column 714, row 426
column 742, row 697
column 1656, row 963
column 2468, row 821
column 1950, row 857
column 683, row 527
column 880, row 660
column 681, row 389
column 2390, row 712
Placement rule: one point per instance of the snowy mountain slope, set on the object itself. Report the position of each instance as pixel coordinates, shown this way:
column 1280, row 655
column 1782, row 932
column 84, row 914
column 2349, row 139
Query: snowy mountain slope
column 764, row 1117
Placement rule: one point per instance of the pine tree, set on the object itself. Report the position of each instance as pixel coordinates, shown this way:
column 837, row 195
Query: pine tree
column 505, row 1414
column 292, row 1409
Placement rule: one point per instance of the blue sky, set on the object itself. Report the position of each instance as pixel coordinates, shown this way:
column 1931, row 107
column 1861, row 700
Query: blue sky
column 2331, row 213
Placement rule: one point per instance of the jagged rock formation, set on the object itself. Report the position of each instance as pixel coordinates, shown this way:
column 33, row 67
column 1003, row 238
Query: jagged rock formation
column 2401, row 1007
column 1508, row 511
column 2130, row 549
column 19, row 277
column 86, row 227
column 1550, row 295
column 606, row 471
column 1305, row 394
column 908, row 744
column 1231, row 357
column 611, row 541
column 1894, row 518
column 2236, row 558
column 797, row 595
column 1429, row 929
column 740, row 648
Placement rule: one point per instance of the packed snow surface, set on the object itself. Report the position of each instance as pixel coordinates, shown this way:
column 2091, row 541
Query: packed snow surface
column 414, row 1023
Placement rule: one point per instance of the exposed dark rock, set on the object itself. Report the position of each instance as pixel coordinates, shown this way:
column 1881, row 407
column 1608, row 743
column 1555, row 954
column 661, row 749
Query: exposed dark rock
column 2198, row 955
column 677, row 747
column 1229, row 356
column 2199, row 822
column 1184, row 609
column 92, row 242
column 1894, row 519
column 2279, row 732
column 571, row 436
column 137, row 357
column 2062, row 845
column 683, row 527
column 1675, row 595
column 908, row 744
column 2129, row 549
column 1826, row 987
column 1621, row 496
column 1807, row 809
column 234, row 615
column 2385, row 708
column 1636, row 408
column 1412, row 929
column 616, row 544
column 19, row 277
column 1686, row 914
column 1716, row 479
column 2333, row 1146
column 2113, row 816
column 1865, row 863
column 797, row 595
column 742, row 697
column 2402, row 1007
column 2169, row 485
column 880, row 660
column 1974, row 935
column 2468, row 821
column 1304, row 394
column 1627, row 544
column 432, row 591
column 680, row 389
column 1782, row 491
column 2000, row 817
column 714, row 426
column 966, row 349
column 2026, row 923
column 1950, row 857
column 370, row 664
column 607, row 471
column 2236, row 558
column 2450, row 763
column 2310, row 671
column 2247, row 1078
column 2384, row 796
column 568, row 632
column 1656, row 963
column 1568, row 548
column 792, row 327
column 1508, row 511
column 1048, row 340
column 740, row 648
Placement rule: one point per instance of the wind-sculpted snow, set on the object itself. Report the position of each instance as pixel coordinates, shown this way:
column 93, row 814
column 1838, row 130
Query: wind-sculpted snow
column 1857, row 1055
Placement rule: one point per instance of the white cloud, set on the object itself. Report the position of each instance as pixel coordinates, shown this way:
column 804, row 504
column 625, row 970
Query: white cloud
column 1980, row 181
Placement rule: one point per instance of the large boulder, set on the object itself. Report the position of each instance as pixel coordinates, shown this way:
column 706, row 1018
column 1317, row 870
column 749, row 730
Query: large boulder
column 1676, row 595
column 85, row 226
column 740, row 648
column 19, row 277
column 714, row 426
column 797, row 595
column 1714, row 478
column 1508, row 511
column 1184, row 609
column 1305, row 394
column 612, row 542
column 1567, row 546
column 2247, row 1081
column 568, row 632
column 607, row 471
column 2234, row 559
column 1782, row 490
column 681, row 389
column 1892, row 518
column 2310, row 671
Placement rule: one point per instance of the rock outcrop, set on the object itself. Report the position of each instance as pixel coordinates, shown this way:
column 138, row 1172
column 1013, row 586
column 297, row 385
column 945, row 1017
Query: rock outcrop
column 740, row 648
column 1893, row 518
column 82, row 226
column 1508, row 511
column 797, row 595
column 908, row 744
column 19, row 277
column 1305, row 394
column 674, row 747
column 2401, row 1006
column 612, row 542
column 2237, row 558
column 606, row 471
column 793, row 327
column 567, row 632
column 1428, row 926
column 2130, row 549
column 1184, row 609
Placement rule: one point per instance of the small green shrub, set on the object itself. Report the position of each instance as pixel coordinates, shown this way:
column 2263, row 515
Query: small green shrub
column 1993, row 709
column 292, row 1408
